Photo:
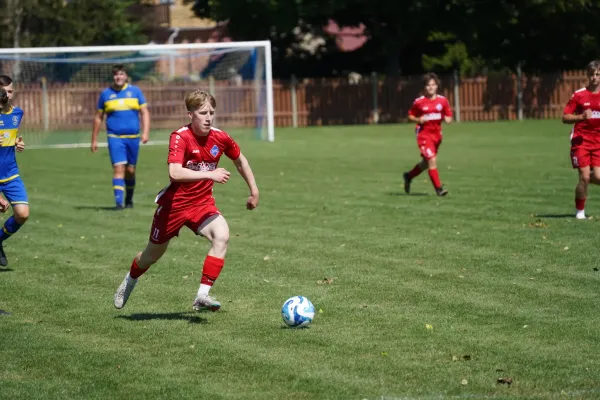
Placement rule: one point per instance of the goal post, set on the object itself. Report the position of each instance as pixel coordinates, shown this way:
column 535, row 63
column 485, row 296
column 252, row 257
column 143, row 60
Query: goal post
column 58, row 87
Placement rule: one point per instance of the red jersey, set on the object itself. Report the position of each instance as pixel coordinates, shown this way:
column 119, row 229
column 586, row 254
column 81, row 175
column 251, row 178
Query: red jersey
column 198, row 153
column 588, row 130
column 434, row 111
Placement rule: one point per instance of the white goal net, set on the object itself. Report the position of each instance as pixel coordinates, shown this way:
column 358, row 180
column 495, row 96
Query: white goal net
column 58, row 88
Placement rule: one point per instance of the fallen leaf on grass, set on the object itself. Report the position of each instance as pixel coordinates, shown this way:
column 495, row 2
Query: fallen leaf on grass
column 464, row 382
column 384, row 354
column 326, row 281
column 266, row 258
column 465, row 357
column 506, row 381
column 320, row 311
column 429, row 327
column 566, row 248
column 538, row 224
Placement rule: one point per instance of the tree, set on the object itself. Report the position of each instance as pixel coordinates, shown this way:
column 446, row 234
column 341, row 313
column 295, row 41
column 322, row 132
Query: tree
column 48, row 23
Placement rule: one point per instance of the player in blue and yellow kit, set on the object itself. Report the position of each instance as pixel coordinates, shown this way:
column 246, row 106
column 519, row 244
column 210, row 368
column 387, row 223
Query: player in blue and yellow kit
column 122, row 103
column 11, row 185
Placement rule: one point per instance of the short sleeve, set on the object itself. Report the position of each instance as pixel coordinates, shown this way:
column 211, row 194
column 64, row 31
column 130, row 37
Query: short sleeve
column 571, row 106
column 177, row 148
column 232, row 150
column 141, row 98
column 415, row 111
column 447, row 109
column 101, row 102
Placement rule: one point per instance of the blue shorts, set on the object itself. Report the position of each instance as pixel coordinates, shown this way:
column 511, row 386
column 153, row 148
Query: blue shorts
column 123, row 150
column 14, row 191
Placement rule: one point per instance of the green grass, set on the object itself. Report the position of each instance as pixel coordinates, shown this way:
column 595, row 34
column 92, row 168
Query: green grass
column 494, row 268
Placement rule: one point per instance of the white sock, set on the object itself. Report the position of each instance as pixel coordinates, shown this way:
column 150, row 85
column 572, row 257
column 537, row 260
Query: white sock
column 204, row 289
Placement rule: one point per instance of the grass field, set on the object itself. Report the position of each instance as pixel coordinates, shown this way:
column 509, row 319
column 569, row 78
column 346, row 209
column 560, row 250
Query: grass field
column 504, row 277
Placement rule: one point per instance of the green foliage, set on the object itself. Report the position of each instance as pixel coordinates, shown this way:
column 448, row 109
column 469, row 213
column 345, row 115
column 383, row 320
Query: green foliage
column 541, row 35
column 45, row 23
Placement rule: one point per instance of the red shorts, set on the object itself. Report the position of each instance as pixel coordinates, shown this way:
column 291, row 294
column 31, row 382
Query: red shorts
column 582, row 157
column 428, row 146
column 167, row 223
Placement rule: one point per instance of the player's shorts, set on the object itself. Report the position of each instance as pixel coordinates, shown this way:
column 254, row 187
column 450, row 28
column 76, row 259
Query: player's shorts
column 582, row 157
column 14, row 191
column 428, row 146
column 167, row 223
column 124, row 150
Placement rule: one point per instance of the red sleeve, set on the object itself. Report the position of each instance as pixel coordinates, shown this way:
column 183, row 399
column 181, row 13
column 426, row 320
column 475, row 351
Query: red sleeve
column 447, row 108
column 232, row 150
column 415, row 111
column 177, row 147
column 571, row 106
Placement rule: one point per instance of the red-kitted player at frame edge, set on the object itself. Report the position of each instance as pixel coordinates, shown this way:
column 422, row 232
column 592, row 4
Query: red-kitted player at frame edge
column 194, row 153
column 428, row 111
column 583, row 110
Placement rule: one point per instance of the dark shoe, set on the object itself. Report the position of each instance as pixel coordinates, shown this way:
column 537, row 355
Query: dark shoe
column 3, row 260
column 407, row 181
column 441, row 191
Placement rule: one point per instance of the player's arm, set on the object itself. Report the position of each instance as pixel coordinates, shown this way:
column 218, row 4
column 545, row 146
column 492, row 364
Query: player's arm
column 96, row 129
column 414, row 114
column 179, row 174
column 145, row 123
column 4, row 204
column 447, row 112
column 145, row 117
column 243, row 167
column 570, row 114
column 574, row 118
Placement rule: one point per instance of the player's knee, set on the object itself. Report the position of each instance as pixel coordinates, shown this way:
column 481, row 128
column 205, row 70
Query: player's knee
column 130, row 170
column 584, row 179
column 220, row 241
column 21, row 214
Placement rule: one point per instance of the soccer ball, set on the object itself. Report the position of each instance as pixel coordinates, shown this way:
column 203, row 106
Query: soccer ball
column 298, row 312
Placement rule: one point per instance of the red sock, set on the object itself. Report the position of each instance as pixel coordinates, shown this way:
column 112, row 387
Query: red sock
column 435, row 178
column 580, row 204
column 413, row 173
column 211, row 270
column 135, row 271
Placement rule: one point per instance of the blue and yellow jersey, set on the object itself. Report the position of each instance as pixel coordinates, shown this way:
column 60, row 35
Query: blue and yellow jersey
column 122, row 110
column 9, row 129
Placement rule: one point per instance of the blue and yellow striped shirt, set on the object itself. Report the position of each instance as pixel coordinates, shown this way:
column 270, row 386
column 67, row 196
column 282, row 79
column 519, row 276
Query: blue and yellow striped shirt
column 122, row 109
column 10, row 122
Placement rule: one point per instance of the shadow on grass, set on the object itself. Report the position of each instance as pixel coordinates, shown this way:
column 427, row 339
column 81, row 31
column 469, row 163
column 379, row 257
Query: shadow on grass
column 404, row 194
column 6, row 269
column 98, row 208
column 192, row 318
column 554, row 216
column 2, row 312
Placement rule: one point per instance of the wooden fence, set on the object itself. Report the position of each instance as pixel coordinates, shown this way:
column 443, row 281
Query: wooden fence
column 317, row 101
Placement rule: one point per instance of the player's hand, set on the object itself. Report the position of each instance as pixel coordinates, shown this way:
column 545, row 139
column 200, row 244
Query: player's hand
column 587, row 114
column 145, row 138
column 3, row 205
column 94, row 146
column 422, row 120
column 220, row 175
column 1, row 140
column 20, row 144
column 252, row 202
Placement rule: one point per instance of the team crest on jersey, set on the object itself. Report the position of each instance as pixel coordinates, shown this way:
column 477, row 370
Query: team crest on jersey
column 15, row 120
column 214, row 151
column 438, row 107
column 128, row 93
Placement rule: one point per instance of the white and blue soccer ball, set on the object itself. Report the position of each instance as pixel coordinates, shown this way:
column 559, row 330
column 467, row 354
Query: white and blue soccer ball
column 298, row 312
